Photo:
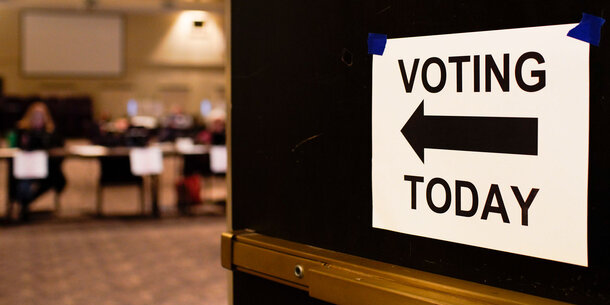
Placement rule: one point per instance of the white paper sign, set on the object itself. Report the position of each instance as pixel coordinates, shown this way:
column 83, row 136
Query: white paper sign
column 218, row 159
column 482, row 139
column 184, row 145
column 30, row 164
column 146, row 161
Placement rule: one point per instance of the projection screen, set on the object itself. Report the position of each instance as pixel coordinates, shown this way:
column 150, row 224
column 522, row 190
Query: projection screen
column 63, row 43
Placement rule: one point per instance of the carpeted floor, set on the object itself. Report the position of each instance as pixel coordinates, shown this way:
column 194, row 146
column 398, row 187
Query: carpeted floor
column 113, row 261
column 71, row 257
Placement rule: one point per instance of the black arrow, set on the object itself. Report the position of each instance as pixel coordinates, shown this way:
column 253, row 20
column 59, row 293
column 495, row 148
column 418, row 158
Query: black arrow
column 483, row 134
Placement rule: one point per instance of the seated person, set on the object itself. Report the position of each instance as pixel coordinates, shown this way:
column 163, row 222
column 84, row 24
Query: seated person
column 36, row 131
column 120, row 133
column 175, row 125
column 215, row 134
column 110, row 133
column 218, row 136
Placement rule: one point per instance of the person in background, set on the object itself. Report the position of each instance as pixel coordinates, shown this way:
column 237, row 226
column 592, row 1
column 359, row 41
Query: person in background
column 36, row 131
column 98, row 132
column 176, row 124
column 110, row 133
column 217, row 130
column 215, row 134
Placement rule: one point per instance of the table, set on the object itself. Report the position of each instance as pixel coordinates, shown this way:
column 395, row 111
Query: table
column 96, row 151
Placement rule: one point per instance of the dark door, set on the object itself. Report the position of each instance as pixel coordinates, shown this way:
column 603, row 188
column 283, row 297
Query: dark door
column 301, row 140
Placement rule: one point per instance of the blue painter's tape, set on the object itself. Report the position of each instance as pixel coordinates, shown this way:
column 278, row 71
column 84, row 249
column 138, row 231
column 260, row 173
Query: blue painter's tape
column 589, row 29
column 376, row 43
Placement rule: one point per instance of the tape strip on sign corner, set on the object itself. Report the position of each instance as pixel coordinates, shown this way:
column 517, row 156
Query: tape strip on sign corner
column 589, row 29
column 376, row 43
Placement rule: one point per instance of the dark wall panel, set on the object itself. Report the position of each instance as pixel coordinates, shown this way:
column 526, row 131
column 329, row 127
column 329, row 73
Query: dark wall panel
column 301, row 114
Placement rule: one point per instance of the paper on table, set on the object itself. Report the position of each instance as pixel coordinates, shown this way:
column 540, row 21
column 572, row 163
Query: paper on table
column 146, row 161
column 31, row 164
column 184, row 145
column 88, row 150
column 218, row 159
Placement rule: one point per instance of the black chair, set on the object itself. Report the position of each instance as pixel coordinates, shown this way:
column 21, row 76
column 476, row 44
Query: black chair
column 11, row 198
column 115, row 171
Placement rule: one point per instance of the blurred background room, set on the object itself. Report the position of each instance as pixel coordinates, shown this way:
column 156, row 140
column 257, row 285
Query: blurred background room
column 112, row 151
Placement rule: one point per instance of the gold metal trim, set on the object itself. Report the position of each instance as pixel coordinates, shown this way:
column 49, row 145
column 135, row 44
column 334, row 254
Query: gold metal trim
column 226, row 248
column 345, row 279
column 228, row 130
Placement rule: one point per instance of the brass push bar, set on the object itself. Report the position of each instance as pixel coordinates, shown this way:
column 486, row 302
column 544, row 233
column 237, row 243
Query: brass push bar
column 345, row 279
